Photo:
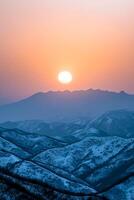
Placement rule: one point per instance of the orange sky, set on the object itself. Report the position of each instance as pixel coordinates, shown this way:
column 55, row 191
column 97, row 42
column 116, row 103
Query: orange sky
column 91, row 38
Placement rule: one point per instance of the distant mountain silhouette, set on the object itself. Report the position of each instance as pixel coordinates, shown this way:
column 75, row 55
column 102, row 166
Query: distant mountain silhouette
column 66, row 106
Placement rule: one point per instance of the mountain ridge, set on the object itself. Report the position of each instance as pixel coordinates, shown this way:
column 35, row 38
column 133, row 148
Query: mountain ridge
column 66, row 105
column 67, row 92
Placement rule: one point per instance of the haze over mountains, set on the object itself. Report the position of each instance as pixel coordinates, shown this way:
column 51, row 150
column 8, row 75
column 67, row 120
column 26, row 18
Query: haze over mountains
column 113, row 123
column 66, row 106
column 69, row 146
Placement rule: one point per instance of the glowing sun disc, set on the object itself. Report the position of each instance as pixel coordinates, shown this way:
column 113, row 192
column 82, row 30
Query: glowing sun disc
column 65, row 77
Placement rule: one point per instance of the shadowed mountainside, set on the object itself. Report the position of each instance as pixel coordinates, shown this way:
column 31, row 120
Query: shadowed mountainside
column 66, row 106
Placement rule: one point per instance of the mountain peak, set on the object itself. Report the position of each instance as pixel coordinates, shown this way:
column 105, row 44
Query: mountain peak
column 123, row 92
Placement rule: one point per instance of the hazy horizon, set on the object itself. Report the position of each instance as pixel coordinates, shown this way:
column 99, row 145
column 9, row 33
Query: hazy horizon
column 91, row 39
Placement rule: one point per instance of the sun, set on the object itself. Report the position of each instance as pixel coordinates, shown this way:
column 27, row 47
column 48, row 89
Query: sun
column 65, row 77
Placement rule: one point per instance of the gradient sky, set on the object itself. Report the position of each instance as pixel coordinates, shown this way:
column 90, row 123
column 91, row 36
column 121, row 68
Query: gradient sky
column 94, row 39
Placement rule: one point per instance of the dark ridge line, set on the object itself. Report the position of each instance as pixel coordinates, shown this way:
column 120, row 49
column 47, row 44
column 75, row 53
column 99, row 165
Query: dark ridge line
column 110, row 159
column 40, row 164
column 65, row 192
column 121, row 176
column 21, row 132
column 55, row 173
column 100, row 167
column 36, row 161
column 18, row 186
column 123, row 179
column 19, row 147
column 17, row 156
column 82, row 182
column 81, row 194
column 46, row 185
column 58, row 147
column 70, row 193
column 113, row 157
column 53, row 166
column 26, row 149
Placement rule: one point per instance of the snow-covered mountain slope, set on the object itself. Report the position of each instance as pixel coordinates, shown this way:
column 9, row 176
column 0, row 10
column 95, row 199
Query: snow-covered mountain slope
column 38, row 181
column 115, row 123
column 39, row 167
column 83, row 133
column 55, row 129
column 32, row 143
column 8, row 146
column 32, row 179
column 94, row 160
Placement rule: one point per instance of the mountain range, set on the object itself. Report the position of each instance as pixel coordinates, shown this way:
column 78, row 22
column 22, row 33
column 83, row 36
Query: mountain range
column 118, row 123
column 68, row 146
column 66, row 106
